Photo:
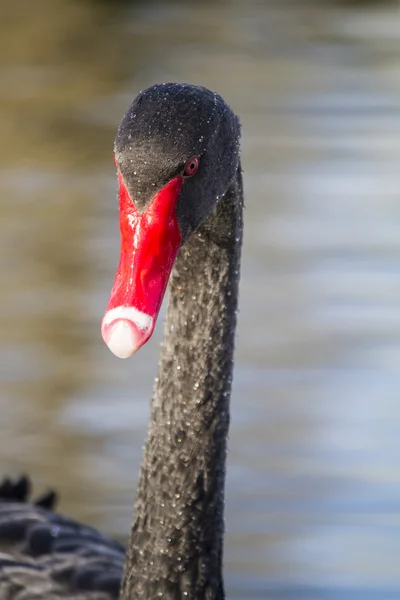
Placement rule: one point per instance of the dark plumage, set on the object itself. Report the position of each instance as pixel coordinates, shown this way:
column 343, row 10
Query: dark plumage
column 46, row 555
column 176, row 546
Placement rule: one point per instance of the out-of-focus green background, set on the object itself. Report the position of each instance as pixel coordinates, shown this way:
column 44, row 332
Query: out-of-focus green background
column 313, row 488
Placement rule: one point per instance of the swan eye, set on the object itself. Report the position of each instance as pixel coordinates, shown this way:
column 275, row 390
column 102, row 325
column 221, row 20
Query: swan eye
column 191, row 166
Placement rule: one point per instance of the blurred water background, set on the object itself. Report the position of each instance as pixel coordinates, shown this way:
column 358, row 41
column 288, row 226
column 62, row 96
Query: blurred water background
column 313, row 487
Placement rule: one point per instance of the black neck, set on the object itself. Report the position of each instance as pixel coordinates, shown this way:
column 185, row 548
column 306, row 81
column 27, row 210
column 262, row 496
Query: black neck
column 176, row 543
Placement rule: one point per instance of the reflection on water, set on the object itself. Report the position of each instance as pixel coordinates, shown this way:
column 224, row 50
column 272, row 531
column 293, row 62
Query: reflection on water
column 313, row 479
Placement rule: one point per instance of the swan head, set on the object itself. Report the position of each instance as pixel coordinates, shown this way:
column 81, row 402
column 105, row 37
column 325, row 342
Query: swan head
column 176, row 153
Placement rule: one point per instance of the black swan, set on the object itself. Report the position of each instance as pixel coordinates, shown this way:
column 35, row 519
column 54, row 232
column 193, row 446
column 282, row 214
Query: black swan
column 181, row 201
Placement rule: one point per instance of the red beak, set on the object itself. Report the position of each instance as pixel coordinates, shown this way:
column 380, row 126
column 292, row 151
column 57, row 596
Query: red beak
column 149, row 244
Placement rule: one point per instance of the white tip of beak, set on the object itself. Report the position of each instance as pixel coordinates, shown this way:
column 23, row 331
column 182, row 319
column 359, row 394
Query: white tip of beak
column 125, row 329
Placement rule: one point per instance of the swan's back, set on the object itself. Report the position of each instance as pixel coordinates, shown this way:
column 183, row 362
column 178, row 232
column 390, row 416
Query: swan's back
column 46, row 555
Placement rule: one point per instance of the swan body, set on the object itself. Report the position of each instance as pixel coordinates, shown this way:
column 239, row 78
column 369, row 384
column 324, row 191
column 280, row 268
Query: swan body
column 181, row 202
